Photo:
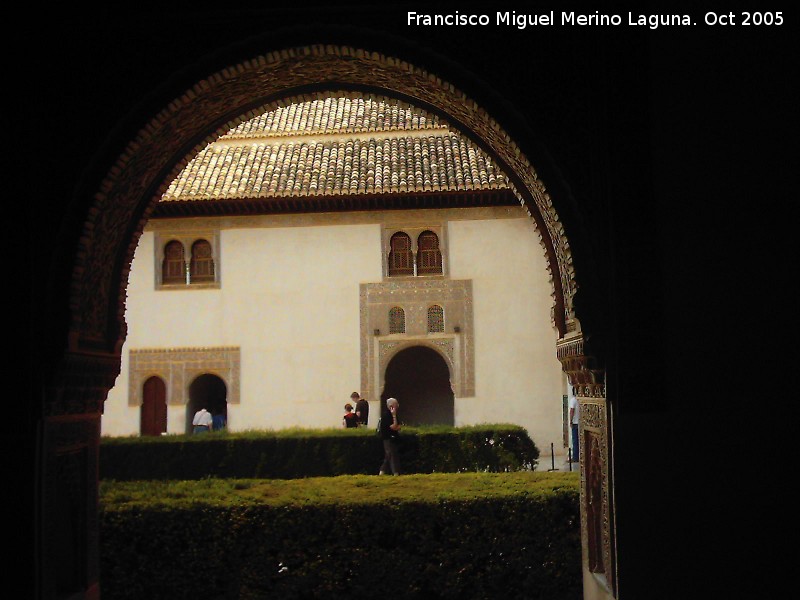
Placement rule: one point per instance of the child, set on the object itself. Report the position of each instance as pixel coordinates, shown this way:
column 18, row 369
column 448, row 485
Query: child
column 350, row 419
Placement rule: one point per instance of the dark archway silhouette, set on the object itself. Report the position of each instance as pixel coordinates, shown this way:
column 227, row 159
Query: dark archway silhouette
column 420, row 379
column 153, row 419
column 209, row 392
column 168, row 138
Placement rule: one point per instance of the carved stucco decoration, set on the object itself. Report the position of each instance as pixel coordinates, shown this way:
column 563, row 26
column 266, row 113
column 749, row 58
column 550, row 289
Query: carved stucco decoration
column 179, row 367
column 414, row 296
column 211, row 107
column 596, row 514
column 588, row 382
column 586, row 377
column 445, row 347
column 81, row 384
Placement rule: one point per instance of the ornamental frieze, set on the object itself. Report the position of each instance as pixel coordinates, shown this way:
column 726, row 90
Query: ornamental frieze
column 455, row 343
column 81, row 384
column 596, row 527
column 585, row 376
column 588, row 382
column 179, row 367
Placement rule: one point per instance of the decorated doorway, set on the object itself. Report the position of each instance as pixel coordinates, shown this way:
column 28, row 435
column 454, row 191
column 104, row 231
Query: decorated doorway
column 154, row 407
column 419, row 378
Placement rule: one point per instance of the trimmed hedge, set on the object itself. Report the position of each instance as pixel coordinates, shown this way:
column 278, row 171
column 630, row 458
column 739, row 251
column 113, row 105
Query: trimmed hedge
column 523, row 542
column 315, row 453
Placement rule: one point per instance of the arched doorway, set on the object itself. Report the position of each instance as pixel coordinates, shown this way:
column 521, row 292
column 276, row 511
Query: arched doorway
column 206, row 391
column 97, row 296
column 153, row 419
column 420, row 379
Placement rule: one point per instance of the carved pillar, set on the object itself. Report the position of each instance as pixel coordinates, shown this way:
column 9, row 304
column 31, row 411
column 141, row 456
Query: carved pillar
column 597, row 509
column 69, row 444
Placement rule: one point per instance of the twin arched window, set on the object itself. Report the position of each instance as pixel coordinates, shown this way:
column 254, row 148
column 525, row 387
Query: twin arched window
column 201, row 265
column 401, row 255
column 397, row 319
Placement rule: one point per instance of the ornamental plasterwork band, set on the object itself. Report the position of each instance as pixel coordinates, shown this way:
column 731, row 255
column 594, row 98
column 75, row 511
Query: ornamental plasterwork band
column 179, row 367
column 99, row 290
column 414, row 297
column 81, row 384
column 445, row 346
column 587, row 380
column 595, row 477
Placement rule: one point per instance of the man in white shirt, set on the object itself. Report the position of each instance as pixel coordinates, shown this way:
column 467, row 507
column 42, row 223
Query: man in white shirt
column 574, row 420
column 202, row 421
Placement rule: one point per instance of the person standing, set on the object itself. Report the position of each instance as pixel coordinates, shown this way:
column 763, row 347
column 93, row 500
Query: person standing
column 574, row 422
column 349, row 419
column 362, row 408
column 202, row 421
column 218, row 422
column 390, row 433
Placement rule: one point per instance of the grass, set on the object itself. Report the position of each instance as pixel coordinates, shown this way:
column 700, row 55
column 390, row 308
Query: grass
column 346, row 489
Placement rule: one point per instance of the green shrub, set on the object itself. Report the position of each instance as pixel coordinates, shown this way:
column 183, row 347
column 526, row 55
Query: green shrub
column 470, row 535
column 315, row 453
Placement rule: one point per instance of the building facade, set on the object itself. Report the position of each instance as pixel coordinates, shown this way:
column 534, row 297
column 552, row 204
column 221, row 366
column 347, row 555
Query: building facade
column 338, row 243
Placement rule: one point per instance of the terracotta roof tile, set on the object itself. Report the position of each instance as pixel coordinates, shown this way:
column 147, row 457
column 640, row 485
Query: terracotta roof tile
column 336, row 146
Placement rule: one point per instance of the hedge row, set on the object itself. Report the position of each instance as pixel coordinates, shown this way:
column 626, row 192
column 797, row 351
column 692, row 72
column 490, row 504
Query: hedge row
column 316, row 453
column 516, row 545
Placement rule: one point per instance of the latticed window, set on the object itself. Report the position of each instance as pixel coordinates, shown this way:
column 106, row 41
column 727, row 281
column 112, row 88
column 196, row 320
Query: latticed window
column 173, row 269
column 201, row 267
column 435, row 319
column 429, row 257
column 401, row 259
column 397, row 320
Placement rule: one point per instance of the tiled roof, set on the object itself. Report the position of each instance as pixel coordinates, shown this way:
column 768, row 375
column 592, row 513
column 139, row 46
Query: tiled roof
column 336, row 115
column 336, row 146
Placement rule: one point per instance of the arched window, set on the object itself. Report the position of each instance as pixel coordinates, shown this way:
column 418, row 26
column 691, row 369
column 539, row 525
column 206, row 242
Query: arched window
column 201, row 266
column 401, row 259
column 397, row 320
column 173, row 269
column 429, row 257
column 435, row 319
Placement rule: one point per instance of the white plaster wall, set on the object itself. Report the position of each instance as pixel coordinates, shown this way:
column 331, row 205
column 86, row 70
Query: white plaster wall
column 518, row 378
column 119, row 418
column 299, row 341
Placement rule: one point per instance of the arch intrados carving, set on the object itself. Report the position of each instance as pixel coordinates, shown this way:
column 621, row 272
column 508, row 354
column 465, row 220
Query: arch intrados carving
column 402, row 346
column 196, row 373
column 212, row 106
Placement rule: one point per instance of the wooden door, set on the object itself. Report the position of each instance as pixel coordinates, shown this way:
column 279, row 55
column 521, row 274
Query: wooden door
column 154, row 407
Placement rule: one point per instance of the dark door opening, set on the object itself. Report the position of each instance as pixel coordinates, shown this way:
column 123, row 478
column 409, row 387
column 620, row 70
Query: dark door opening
column 209, row 392
column 153, row 420
column 420, row 380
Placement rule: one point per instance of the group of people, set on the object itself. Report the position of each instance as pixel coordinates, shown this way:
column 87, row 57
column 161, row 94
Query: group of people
column 204, row 421
column 388, row 428
column 357, row 416
column 354, row 416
